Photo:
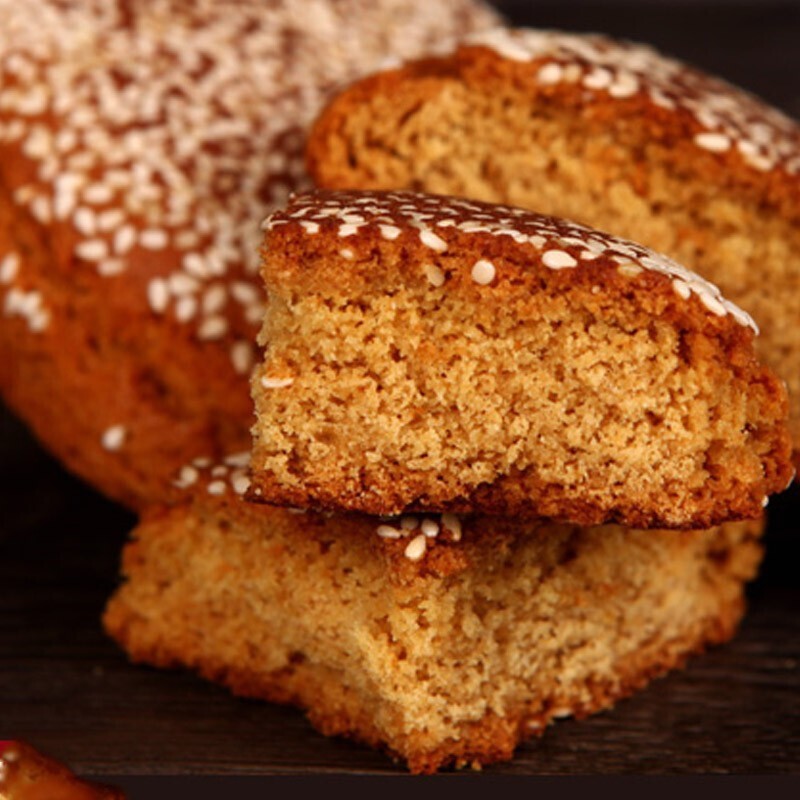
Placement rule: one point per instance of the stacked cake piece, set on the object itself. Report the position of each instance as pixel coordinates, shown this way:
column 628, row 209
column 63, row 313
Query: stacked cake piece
column 488, row 380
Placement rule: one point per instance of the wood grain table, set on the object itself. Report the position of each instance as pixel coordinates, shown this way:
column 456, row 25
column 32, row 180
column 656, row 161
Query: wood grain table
column 68, row 690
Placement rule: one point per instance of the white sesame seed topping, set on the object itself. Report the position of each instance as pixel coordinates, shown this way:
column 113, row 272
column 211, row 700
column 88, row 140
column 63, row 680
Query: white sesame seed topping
column 9, row 268
column 558, row 259
column 276, row 383
column 713, row 304
column 347, row 253
column 124, row 239
column 453, row 524
column 429, row 528
column 434, row 275
column 483, row 272
column 430, row 239
column 187, row 476
column 212, row 328
column 185, row 308
column 158, row 295
column 114, row 437
column 92, row 250
column 309, row 227
column 550, row 73
column 387, row 532
column 409, row 523
column 390, row 232
column 240, row 483
column 629, row 269
column 216, row 488
column 682, row 288
column 348, row 229
column 416, row 548
column 242, row 357
column 715, row 142
column 153, row 239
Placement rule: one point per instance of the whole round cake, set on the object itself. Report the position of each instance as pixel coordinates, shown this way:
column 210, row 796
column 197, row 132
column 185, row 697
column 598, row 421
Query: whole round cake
column 141, row 143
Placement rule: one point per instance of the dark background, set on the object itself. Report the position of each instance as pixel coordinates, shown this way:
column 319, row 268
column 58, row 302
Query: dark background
column 69, row 691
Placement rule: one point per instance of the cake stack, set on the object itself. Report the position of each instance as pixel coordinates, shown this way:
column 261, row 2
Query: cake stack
column 505, row 467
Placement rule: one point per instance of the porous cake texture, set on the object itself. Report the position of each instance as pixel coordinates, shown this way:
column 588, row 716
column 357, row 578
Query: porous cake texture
column 438, row 354
column 141, row 143
column 608, row 133
column 443, row 640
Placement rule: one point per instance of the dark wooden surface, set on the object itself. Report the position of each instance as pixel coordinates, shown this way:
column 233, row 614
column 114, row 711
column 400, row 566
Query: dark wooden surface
column 69, row 691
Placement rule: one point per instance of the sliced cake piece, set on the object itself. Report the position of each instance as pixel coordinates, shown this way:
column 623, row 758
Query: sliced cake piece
column 608, row 133
column 432, row 353
column 442, row 640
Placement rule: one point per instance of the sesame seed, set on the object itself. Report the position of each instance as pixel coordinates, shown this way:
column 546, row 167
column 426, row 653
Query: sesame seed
column 158, row 295
column 84, row 220
column 216, row 488
column 181, row 284
column 429, row 528
column 214, row 299
column 430, row 239
column 630, row 270
column 348, row 230
column 550, row 74
column 409, row 523
column 238, row 459
column 195, row 265
column 715, row 142
column 598, row 79
column 453, row 524
column 185, row 308
column 712, row 304
column 387, row 532
column 9, row 268
column 92, row 250
column 212, row 328
column 558, row 259
column 390, row 232
column 219, row 470
column 114, row 437
column 347, row 253
column 240, row 483
column 682, row 288
column 416, row 548
column 434, row 275
column 483, row 272
column 309, row 227
column 124, row 239
column 276, row 383
column 111, row 266
column 186, row 477
column 241, row 357
column 153, row 239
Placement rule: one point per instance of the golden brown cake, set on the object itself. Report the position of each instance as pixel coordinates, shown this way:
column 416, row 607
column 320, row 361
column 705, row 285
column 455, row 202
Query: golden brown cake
column 607, row 133
column 431, row 353
column 141, row 143
column 443, row 640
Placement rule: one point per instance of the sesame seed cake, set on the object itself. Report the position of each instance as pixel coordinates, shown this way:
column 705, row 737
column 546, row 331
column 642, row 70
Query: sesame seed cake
column 141, row 143
column 443, row 640
column 438, row 354
column 608, row 133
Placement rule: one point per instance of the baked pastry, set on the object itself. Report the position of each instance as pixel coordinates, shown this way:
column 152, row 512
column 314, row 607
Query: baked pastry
column 430, row 353
column 141, row 144
column 26, row 774
column 442, row 640
column 608, row 133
